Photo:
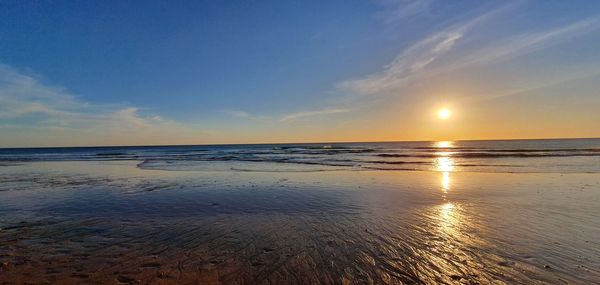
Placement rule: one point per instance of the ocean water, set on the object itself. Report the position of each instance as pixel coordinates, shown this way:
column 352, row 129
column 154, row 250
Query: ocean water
column 468, row 212
column 565, row 155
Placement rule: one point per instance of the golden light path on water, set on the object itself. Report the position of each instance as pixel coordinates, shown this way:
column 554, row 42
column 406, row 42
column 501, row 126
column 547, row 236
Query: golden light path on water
column 445, row 164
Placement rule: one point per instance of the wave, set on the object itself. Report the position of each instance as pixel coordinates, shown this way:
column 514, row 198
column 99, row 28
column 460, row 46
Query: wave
column 320, row 166
column 350, row 156
column 112, row 154
column 395, row 162
column 576, row 155
column 433, row 149
column 242, row 166
column 489, row 154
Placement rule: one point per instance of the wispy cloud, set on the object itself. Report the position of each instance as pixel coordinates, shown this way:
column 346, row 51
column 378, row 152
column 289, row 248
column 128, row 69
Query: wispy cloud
column 245, row 115
column 285, row 117
column 414, row 59
column 236, row 113
column 397, row 10
column 441, row 53
column 308, row 114
column 548, row 80
column 526, row 43
column 26, row 103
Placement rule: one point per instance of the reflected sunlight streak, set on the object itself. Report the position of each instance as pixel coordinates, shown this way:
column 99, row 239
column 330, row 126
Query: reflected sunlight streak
column 448, row 219
column 444, row 144
column 445, row 182
column 444, row 164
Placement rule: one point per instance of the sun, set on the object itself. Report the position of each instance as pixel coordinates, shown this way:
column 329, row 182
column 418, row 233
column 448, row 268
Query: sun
column 444, row 113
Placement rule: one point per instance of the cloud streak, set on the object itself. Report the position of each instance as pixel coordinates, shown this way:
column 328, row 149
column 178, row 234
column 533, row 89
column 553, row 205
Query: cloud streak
column 295, row 116
column 527, row 43
column 413, row 60
column 308, row 114
column 43, row 115
column 398, row 10
column 441, row 53
column 56, row 115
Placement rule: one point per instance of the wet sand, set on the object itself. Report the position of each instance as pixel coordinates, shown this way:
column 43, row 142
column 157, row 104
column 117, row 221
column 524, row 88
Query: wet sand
column 113, row 223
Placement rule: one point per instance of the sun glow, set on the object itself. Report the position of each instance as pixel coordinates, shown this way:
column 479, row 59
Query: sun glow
column 444, row 113
column 444, row 144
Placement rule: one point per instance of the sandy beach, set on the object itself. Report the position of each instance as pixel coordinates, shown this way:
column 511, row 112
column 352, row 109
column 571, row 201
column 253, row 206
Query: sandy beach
column 114, row 223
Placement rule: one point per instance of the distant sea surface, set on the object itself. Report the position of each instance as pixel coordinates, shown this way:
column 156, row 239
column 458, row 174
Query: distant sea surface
column 556, row 155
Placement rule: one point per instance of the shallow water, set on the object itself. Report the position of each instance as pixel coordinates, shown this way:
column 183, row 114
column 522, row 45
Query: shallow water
column 113, row 222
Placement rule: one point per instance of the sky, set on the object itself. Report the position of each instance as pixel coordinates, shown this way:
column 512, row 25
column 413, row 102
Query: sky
column 86, row 73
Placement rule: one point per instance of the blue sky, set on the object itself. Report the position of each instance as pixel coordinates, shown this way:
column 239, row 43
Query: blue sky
column 153, row 72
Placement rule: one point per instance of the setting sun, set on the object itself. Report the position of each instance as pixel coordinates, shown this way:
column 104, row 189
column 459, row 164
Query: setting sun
column 444, row 113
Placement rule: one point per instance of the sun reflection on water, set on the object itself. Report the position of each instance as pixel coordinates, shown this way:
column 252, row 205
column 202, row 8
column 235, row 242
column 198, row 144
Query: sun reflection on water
column 445, row 182
column 445, row 164
column 448, row 219
column 446, row 209
column 444, row 144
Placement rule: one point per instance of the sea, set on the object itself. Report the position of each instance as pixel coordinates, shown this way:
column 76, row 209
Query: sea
column 529, row 156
